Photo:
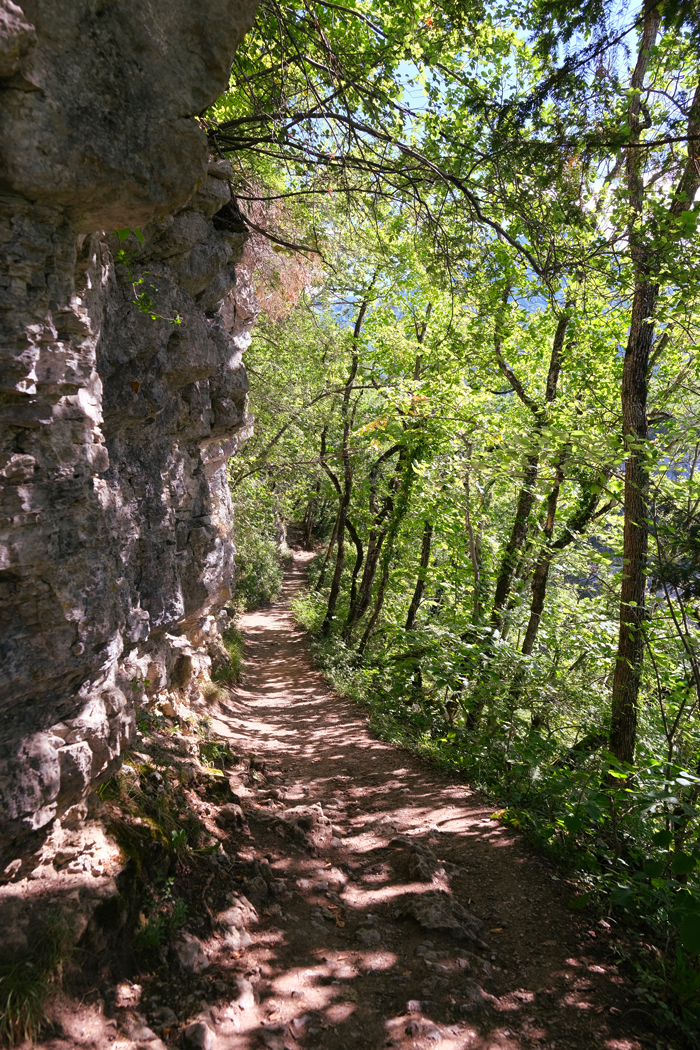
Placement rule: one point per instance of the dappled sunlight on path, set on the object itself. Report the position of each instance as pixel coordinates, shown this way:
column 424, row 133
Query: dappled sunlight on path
column 416, row 919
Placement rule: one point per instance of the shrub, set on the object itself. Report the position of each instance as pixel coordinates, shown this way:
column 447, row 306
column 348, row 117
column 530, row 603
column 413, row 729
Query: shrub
column 230, row 673
column 258, row 575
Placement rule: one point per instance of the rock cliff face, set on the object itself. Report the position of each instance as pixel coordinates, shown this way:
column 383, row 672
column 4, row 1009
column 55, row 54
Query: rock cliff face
column 122, row 392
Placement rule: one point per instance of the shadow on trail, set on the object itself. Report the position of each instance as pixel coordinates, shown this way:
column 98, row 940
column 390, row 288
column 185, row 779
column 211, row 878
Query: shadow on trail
column 413, row 919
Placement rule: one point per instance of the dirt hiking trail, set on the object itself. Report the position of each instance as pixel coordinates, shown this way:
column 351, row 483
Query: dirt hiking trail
column 403, row 915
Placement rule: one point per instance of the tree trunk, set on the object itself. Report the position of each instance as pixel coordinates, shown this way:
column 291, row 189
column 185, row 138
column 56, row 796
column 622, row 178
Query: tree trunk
column 329, row 551
column 391, row 535
column 420, row 582
column 630, row 647
column 348, row 478
column 518, row 534
column 541, row 573
column 378, row 603
column 340, row 556
column 575, row 526
column 358, row 559
column 308, row 522
column 377, row 535
column 474, row 543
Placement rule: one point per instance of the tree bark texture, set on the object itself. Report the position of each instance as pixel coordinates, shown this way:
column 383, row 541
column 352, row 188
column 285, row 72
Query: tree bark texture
column 420, row 582
column 375, row 541
column 630, row 648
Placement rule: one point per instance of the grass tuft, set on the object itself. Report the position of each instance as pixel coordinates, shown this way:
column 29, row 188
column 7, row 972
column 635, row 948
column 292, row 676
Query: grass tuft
column 25, row 985
column 230, row 673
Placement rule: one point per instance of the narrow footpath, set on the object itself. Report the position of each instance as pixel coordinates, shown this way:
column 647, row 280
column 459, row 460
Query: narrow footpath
column 404, row 915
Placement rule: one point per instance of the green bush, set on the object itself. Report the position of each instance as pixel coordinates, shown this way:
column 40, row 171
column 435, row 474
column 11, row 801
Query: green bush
column 258, row 575
column 162, row 914
column 230, row 673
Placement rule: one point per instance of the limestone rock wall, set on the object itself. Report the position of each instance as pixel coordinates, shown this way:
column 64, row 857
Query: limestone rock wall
column 122, row 391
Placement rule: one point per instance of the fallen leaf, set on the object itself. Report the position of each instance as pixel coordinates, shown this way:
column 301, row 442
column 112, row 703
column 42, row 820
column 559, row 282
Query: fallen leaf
column 549, row 944
column 333, row 907
column 339, row 921
column 352, row 995
column 496, row 929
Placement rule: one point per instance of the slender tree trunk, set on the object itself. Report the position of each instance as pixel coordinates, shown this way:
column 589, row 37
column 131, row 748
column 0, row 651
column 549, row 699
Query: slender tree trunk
column 340, row 555
column 392, row 533
column 309, row 516
column 630, row 649
column 360, row 603
column 348, row 479
column 575, row 526
column 358, row 559
column 518, row 535
column 377, row 535
column 329, row 551
column 474, row 545
column 420, row 582
column 541, row 573
column 378, row 604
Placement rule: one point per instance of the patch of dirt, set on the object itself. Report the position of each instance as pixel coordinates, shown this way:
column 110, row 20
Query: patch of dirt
column 364, row 899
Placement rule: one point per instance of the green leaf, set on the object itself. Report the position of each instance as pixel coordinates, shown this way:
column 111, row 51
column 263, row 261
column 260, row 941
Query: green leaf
column 662, row 839
column 139, row 236
column 683, row 864
column 690, row 934
column 622, row 896
column 572, row 823
column 123, row 234
column 653, row 868
column 580, row 902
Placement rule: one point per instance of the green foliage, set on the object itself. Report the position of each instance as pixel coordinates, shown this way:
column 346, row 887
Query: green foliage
column 148, row 807
column 217, row 754
column 258, row 572
column 139, row 685
column 144, row 291
column 230, row 674
column 23, row 993
column 178, row 838
column 162, row 914
column 257, row 513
